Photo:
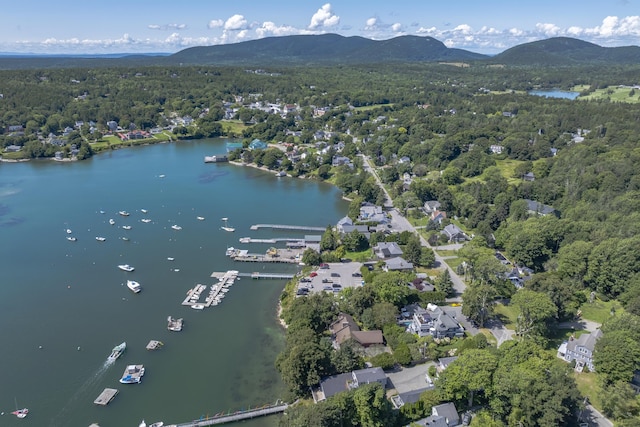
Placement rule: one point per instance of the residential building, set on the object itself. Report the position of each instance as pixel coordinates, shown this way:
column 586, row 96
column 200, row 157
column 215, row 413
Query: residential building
column 435, row 322
column 454, row 234
column 438, row 216
column 385, row 250
column 537, row 208
column 368, row 376
column 431, row 206
column 372, row 213
column 496, row 149
column 397, row 264
column 345, row 328
column 580, row 349
column 444, row 362
column 444, row 415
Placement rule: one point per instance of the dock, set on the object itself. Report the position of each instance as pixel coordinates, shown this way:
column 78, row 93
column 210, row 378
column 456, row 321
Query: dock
column 154, row 345
column 287, row 227
column 193, row 295
column 257, row 275
column 106, row 396
column 237, row 416
column 273, row 255
column 174, row 324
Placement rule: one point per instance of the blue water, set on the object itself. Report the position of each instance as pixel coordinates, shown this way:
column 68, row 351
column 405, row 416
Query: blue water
column 57, row 296
column 563, row 94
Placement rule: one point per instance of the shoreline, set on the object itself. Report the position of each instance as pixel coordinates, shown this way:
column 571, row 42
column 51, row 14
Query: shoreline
column 279, row 316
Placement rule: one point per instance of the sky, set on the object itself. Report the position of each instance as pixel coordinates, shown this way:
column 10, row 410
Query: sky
column 153, row 26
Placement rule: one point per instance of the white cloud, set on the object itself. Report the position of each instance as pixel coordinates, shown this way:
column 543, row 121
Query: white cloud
column 215, row 23
column 397, row 27
column 549, row 30
column 324, row 18
column 166, row 27
column 371, row 24
column 268, row 28
column 235, row 23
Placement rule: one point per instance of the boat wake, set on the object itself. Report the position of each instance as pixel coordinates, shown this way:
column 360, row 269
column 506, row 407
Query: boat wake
column 85, row 389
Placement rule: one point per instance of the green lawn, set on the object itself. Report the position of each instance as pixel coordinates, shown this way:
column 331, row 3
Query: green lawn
column 372, row 107
column 361, row 256
column 558, row 336
column 507, row 314
column 589, row 386
column 233, row 127
column 599, row 310
column 447, row 253
column 614, row 94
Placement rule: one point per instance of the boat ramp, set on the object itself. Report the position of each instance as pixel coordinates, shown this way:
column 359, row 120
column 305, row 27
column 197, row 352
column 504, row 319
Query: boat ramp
column 106, row 396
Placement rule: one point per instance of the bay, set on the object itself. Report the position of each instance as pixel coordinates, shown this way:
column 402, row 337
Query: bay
column 64, row 305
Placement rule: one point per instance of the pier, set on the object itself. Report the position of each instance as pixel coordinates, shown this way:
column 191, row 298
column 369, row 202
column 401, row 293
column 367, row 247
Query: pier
column 106, row 396
column 287, row 227
column 257, row 275
column 237, row 416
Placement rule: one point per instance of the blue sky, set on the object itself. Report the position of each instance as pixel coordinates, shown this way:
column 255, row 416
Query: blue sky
column 137, row 26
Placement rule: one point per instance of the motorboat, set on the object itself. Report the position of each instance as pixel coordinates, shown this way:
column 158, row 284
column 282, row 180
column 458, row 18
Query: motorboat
column 200, row 218
column 21, row 413
column 174, row 325
column 100, row 238
column 126, row 227
column 112, row 221
column 134, row 286
column 169, row 258
column 69, row 231
column 145, row 220
column 117, row 352
column 126, row 239
column 71, row 239
column 102, row 212
column 143, row 210
column 226, row 226
column 157, row 424
column 124, row 213
column 132, row 374
column 198, row 306
column 142, row 424
column 176, row 227
column 126, row 267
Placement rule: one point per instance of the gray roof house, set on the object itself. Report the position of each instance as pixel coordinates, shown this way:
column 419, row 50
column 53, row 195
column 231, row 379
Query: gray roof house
column 371, row 213
column 444, row 415
column 537, row 208
column 454, row 234
column 443, row 362
column 408, row 397
column 431, row 206
column 333, row 385
column 435, row 322
column 368, row 376
column 395, row 264
column 580, row 350
column 384, row 250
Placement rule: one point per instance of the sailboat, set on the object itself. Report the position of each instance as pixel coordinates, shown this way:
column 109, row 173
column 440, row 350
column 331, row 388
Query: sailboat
column 20, row 413
column 226, row 225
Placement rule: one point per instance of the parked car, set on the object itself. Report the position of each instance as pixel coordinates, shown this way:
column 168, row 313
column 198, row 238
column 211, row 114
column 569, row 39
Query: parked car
column 327, row 281
column 337, row 286
column 356, row 274
column 328, row 288
column 313, row 274
column 324, row 266
column 335, row 274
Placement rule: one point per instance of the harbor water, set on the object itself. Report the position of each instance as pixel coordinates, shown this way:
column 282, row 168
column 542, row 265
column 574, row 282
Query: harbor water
column 65, row 304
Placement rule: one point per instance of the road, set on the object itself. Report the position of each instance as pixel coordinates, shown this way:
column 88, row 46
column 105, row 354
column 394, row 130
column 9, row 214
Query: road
column 400, row 223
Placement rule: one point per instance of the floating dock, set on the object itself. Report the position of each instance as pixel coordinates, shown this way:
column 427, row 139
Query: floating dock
column 287, row 256
column 193, row 295
column 154, row 345
column 106, row 396
column 174, row 324
column 257, row 275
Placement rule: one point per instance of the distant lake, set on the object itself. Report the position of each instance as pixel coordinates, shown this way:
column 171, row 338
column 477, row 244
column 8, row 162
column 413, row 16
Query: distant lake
column 554, row 93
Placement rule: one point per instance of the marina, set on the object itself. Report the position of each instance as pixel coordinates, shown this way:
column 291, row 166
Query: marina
column 216, row 292
column 107, row 395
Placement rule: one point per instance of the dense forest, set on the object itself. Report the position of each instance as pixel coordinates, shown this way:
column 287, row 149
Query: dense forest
column 476, row 141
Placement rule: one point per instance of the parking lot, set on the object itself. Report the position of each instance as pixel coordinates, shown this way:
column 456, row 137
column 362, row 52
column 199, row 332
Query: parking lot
column 331, row 277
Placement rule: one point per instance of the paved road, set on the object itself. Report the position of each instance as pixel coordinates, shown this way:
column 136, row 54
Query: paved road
column 593, row 418
column 400, row 223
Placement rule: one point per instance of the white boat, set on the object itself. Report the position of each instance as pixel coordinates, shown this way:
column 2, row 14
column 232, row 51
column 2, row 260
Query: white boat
column 133, row 374
column 143, row 210
column 174, row 325
column 157, row 424
column 69, row 231
column 124, row 213
column 176, row 227
column 161, row 176
column 169, row 258
column 126, row 267
column 145, row 220
column 117, row 352
column 111, row 221
column 102, row 212
column 71, row 239
column 134, row 286
column 142, row 424
column 198, row 306
column 226, row 226
column 200, row 218
column 20, row 413
column 126, row 227
column 100, row 239
column 126, row 239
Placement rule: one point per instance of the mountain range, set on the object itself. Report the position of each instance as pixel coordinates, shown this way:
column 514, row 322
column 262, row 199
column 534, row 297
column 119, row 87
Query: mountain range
column 333, row 49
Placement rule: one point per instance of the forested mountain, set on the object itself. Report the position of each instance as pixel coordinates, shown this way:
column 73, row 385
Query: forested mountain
column 567, row 51
column 326, row 49
column 334, row 49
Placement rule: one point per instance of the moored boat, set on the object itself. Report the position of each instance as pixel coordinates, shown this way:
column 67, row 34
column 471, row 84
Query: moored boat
column 157, row 424
column 146, row 220
column 198, row 306
column 69, row 231
column 126, row 267
column 174, row 325
column 112, row 221
column 126, row 227
column 124, row 213
column 132, row 374
column 117, row 352
column 21, row 413
column 176, row 227
column 100, row 238
column 71, row 239
column 200, row 218
column 134, row 286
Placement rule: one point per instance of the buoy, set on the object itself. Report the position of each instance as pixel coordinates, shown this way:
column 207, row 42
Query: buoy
column 40, row 347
